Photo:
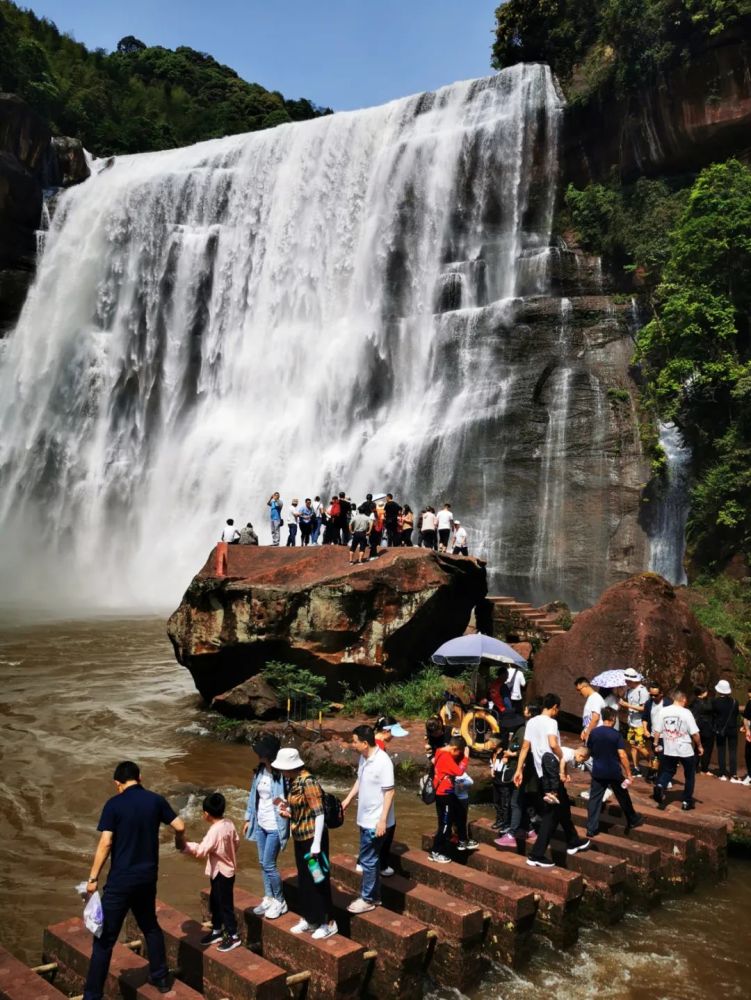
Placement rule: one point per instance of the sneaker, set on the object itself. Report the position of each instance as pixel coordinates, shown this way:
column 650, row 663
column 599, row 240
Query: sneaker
column 531, row 837
column 325, row 931
column 540, row 863
column 585, row 795
column 497, row 826
column 747, row 780
column 685, row 806
column 263, row 905
column 551, row 799
column 277, row 908
column 215, row 935
column 723, row 777
column 658, row 794
column 360, row 905
column 462, row 845
column 505, row 841
column 636, row 773
column 636, row 821
column 230, row 942
column 736, row 781
column 387, row 872
column 302, row 926
column 471, row 845
column 358, row 868
column 608, row 795
column 161, row 985
column 581, row 846
column 670, row 785
column 439, row 859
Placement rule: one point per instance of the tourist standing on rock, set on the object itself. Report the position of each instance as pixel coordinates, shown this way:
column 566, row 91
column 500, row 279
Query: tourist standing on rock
column 593, row 706
column 303, row 806
column 610, row 769
column 129, row 827
column 408, row 525
column 266, row 826
column 523, row 793
column 275, row 516
column 317, row 521
column 541, row 737
column 726, row 731
column 676, row 731
column 391, row 512
column 374, row 789
column 294, row 509
column 331, row 531
column 376, row 530
column 305, row 518
column 746, row 731
column 702, row 709
column 657, row 701
column 248, row 535
column 445, row 524
column 360, row 526
column 386, row 729
column 460, row 540
column 516, row 682
column 343, row 519
column 450, row 763
column 428, row 526
column 219, row 847
column 636, row 698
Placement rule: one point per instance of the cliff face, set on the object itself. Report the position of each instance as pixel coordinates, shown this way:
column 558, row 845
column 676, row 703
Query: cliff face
column 693, row 115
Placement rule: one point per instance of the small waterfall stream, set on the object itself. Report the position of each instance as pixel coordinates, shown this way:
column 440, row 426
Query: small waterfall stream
column 668, row 532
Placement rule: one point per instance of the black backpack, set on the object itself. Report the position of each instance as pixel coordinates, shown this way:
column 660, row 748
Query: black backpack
column 426, row 789
column 333, row 814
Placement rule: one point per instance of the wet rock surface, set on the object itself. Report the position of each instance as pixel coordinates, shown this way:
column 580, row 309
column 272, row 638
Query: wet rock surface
column 643, row 623
column 309, row 607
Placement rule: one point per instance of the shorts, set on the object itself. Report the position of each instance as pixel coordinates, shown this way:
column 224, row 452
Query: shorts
column 636, row 736
column 359, row 541
column 444, row 534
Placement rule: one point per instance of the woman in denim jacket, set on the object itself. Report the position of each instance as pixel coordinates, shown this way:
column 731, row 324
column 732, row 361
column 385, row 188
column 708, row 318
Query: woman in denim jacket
column 266, row 827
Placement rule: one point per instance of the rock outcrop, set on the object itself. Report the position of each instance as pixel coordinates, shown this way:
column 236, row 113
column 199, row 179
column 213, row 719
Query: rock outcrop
column 309, row 607
column 69, row 164
column 643, row 623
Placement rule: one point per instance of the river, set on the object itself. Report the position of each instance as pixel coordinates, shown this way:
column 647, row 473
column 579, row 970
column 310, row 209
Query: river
column 77, row 696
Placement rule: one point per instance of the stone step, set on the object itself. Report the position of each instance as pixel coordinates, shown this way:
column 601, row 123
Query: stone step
column 457, row 961
column 18, row 982
column 710, row 832
column 643, row 863
column 511, row 909
column 69, row 944
column 400, row 940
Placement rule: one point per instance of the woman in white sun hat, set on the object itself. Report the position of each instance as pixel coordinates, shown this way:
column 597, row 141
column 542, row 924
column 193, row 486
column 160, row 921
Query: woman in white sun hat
column 726, row 731
column 304, row 807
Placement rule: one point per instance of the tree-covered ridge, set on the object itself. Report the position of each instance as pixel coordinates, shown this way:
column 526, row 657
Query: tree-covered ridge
column 137, row 98
column 591, row 43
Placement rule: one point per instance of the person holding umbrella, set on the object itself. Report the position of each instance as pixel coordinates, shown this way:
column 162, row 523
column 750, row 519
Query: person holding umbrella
column 636, row 698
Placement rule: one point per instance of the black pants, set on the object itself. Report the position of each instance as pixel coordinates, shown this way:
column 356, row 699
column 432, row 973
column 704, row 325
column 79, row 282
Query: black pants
column 554, row 816
column 306, row 529
column 343, row 530
column 444, row 534
column 551, row 773
column 386, row 842
column 429, row 539
column 222, row 904
column 314, row 898
column 460, row 550
column 594, row 805
column 707, row 741
column 747, row 753
column 502, row 791
column 407, row 537
column 727, row 746
column 393, row 535
column 116, row 902
column 375, row 541
column 449, row 814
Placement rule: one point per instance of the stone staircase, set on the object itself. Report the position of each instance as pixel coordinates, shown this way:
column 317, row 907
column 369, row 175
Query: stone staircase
column 509, row 615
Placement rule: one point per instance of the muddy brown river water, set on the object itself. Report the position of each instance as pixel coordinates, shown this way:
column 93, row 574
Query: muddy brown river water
column 76, row 697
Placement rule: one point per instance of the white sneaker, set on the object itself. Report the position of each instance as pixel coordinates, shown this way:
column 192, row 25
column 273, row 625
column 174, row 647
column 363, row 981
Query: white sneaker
column 358, row 869
column 439, row 859
column 325, row 930
column 723, row 777
column 608, row 794
column 389, row 871
column 301, row 926
column 585, row 795
column 736, row 781
column 746, row 781
column 277, row 908
column 360, row 905
column 263, row 906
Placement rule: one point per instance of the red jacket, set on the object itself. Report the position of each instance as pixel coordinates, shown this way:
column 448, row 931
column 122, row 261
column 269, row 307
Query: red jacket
column 446, row 769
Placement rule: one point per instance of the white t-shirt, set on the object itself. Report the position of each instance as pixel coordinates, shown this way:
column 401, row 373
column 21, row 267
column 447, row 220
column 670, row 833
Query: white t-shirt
column 516, row 681
column 375, row 775
column 317, row 508
column 536, row 733
column 676, row 726
column 428, row 521
column 265, row 812
column 460, row 538
column 595, row 703
column 229, row 533
column 638, row 697
column 569, row 755
column 445, row 520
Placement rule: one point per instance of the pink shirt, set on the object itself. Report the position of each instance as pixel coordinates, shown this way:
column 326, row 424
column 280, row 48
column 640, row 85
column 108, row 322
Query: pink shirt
column 219, row 847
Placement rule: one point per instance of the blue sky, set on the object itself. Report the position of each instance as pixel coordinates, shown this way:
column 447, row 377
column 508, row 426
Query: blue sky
column 342, row 53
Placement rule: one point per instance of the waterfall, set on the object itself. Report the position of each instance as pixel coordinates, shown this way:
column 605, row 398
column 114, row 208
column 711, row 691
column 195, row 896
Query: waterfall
column 668, row 532
column 319, row 306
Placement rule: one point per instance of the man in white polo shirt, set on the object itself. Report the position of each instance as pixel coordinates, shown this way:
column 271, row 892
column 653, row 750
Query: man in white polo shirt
column 374, row 789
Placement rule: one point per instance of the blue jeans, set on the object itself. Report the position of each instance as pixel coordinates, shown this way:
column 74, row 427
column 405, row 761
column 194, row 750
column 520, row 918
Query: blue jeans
column 292, row 536
column 370, row 859
column 115, row 903
column 269, row 845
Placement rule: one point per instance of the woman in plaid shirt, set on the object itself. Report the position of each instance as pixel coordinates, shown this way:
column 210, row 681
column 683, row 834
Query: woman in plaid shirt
column 304, row 807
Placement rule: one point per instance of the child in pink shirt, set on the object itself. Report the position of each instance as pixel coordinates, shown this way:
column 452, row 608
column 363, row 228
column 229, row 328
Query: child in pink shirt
column 219, row 847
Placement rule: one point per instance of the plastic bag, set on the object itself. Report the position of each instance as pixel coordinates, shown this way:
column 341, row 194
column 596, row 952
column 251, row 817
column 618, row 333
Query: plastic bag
column 93, row 915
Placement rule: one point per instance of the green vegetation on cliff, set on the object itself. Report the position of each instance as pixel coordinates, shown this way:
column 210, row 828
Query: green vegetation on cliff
column 135, row 99
column 593, row 43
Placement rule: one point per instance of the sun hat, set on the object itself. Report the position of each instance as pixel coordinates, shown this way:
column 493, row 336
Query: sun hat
column 723, row 687
column 288, row 759
column 266, row 746
column 387, row 723
column 630, row 674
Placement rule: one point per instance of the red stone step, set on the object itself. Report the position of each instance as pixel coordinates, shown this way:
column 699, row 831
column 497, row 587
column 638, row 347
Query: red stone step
column 401, row 941
column 457, row 961
column 18, row 982
column 337, row 965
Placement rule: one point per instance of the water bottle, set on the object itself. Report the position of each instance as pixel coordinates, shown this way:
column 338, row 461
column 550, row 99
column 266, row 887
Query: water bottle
column 316, row 872
column 626, row 783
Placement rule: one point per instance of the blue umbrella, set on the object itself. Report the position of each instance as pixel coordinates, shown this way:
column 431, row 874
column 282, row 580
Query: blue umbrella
column 469, row 650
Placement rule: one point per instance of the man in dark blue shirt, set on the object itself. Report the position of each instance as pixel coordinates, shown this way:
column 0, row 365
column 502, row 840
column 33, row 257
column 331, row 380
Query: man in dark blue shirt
column 610, row 764
column 129, row 827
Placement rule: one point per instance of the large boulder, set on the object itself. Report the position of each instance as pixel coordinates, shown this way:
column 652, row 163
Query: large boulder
column 643, row 623
column 69, row 161
column 253, row 699
column 309, row 607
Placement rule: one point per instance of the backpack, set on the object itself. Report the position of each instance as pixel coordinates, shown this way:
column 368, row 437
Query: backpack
column 335, row 508
column 426, row 789
column 333, row 814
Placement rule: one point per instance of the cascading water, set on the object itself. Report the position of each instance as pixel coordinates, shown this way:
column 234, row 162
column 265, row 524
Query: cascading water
column 668, row 531
column 317, row 306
